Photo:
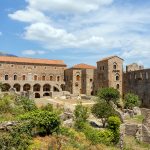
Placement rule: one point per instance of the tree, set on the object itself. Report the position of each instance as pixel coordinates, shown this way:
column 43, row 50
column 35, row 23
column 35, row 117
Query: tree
column 102, row 110
column 81, row 114
column 131, row 100
column 108, row 94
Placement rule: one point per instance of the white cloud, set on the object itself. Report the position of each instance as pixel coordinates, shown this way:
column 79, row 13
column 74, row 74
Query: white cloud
column 33, row 52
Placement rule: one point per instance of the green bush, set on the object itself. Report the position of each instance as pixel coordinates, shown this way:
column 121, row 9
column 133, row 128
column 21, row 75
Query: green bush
column 98, row 136
column 81, row 114
column 114, row 125
column 43, row 121
column 131, row 100
column 48, row 107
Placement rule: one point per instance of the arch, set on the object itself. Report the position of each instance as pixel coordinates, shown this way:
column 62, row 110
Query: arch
column 117, row 86
column 77, row 77
column 51, row 78
column 58, row 78
column 35, row 77
column 17, row 87
column 36, row 87
column 46, row 94
column 63, row 87
column 43, row 78
column 37, row 95
column 6, row 87
column 6, row 77
column 15, row 77
column 55, row 89
column 26, row 87
column 114, row 65
column 46, row 87
column 117, row 77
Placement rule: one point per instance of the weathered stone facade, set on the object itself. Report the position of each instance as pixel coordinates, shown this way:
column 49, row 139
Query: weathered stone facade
column 40, row 79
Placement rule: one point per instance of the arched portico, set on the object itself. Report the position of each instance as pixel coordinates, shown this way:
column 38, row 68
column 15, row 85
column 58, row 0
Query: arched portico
column 26, row 87
column 6, row 87
column 36, row 87
column 46, row 87
column 17, row 87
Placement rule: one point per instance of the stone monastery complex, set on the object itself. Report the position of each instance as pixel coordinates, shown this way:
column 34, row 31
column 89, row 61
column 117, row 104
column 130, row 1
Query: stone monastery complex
column 42, row 77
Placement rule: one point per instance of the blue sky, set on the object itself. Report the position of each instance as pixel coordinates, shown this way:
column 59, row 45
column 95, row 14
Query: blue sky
column 77, row 31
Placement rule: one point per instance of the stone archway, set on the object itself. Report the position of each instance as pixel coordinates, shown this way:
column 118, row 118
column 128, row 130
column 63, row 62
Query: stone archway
column 17, row 87
column 37, row 95
column 36, row 87
column 6, row 87
column 46, row 94
column 26, row 87
column 55, row 89
column 46, row 88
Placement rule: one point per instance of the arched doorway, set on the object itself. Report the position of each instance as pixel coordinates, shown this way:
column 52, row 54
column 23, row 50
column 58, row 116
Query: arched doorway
column 63, row 87
column 17, row 87
column 46, row 94
column 6, row 87
column 26, row 87
column 56, row 89
column 46, row 87
column 37, row 95
column 36, row 87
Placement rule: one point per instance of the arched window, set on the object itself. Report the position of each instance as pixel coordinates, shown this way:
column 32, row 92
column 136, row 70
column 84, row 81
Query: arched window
column 17, row 87
column 26, row 87
column 117, row 86
column 117, row 77
column 6, row 77
column 51, row 78
column 35, row 77
column 23, row 77
column 77, row 78
column 15, row 77
column 115, row 66
column 58, row 78
column 43, row 78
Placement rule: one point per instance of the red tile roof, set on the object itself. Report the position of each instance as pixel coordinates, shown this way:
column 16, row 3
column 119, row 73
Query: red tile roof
column 84, row 66
column 107, row 58
column 31, row 60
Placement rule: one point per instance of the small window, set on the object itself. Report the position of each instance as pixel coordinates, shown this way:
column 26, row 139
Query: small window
column 117, row 86
column 117, row 77
column 114, row 66
column 51, row 78
column 23, row 77
column 35, row 77
column 12, row 65
column 15, row 77
column 76, row 84
column 34, row 66
column 43, row 78
column 77, row 78
column 6, row 77
column 91, row 80
column 103, row 67
column 58, row 78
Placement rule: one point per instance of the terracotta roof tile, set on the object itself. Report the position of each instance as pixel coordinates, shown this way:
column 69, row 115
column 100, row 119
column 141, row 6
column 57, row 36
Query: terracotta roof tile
column 31, row 60
column 83, row 66
column 107, row 58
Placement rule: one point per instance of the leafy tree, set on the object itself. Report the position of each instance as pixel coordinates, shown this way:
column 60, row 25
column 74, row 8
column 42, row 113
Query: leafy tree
column 108, row 94
column 81, row 114
column 102, row 110
column 131, row 100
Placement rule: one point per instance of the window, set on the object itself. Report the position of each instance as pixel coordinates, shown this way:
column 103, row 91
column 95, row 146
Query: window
column 117, row 86
column 23, row 77
column 6, row 77
column 77, row 78
column 117, row 77
column 91, row 80
column 51, row 78
column 35, row 77
column 58, row 78
column 12, row 65
column 43, row 78
column 76, row 84
column 15, row 77
column 114, row 66
column 103, row 67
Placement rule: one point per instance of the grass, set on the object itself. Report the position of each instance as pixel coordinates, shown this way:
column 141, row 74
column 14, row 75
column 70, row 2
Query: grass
column 136, row 119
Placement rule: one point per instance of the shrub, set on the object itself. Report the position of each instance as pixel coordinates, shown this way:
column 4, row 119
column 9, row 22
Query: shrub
column 114, row 125
column 43, row 121
column 98, row 136
column 131, row 100
column 108, row 94
column 81, row 114
column 48, row 107
column 102, row 110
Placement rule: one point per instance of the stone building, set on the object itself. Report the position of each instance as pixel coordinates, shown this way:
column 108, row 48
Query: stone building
column 37, row 77
column 138, row 82
column 109, row 73
column 79, row 79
